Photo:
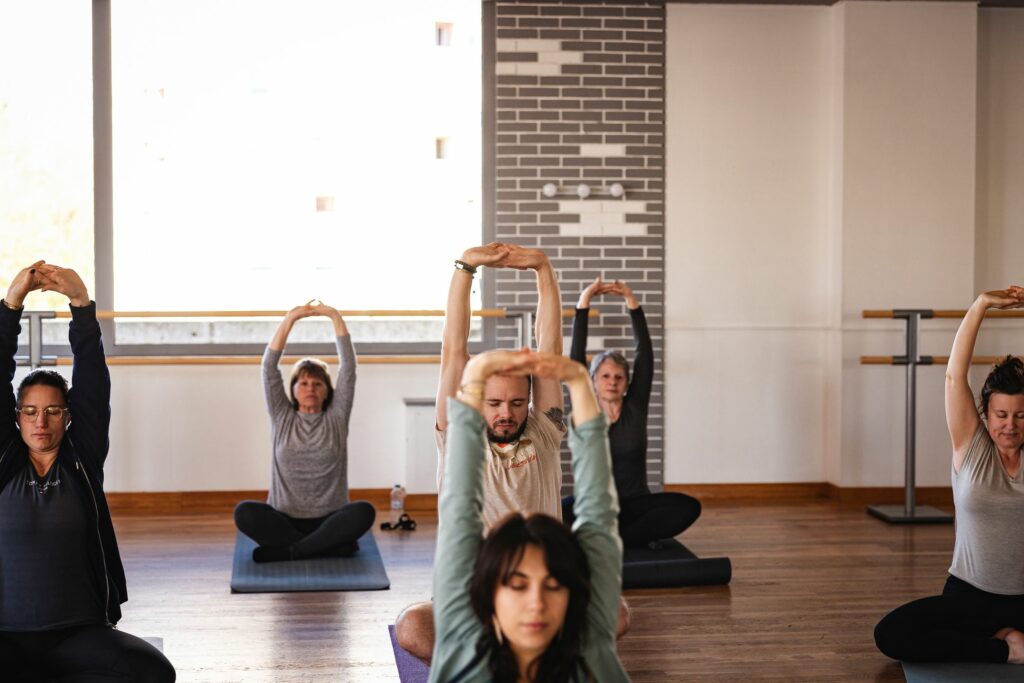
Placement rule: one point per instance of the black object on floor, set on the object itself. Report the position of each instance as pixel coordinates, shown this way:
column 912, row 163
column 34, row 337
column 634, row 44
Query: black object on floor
column 962, row 672
column 672, row 566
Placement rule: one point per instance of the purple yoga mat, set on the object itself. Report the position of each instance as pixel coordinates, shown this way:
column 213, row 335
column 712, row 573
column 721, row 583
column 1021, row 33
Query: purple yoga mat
column 410, row 668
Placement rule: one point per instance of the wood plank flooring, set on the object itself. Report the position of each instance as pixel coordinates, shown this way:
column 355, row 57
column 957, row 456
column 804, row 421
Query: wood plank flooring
column 810, row 580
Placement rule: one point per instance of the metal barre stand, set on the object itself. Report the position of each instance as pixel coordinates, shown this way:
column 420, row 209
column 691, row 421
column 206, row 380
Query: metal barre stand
column 910, row 512
column 35, row 357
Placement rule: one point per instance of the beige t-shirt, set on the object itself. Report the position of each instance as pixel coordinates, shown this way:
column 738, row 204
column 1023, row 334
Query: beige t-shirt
column 525, row 476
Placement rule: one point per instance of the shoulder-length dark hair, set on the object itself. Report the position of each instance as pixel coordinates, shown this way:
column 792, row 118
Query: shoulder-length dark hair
column 499, row 556
column 315, row 368
column 1007, row 377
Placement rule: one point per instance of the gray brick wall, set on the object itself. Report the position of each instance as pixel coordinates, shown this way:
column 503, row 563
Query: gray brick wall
column 579, row 98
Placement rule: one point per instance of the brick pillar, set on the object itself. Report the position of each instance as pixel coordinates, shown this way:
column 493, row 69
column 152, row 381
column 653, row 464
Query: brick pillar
column 580, row 99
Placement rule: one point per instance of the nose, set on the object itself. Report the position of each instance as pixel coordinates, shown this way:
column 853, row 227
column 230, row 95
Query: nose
column 39, row 417
column 536, row 599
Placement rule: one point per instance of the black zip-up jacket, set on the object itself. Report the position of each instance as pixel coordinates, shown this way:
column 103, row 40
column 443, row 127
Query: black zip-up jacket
column 86, row 442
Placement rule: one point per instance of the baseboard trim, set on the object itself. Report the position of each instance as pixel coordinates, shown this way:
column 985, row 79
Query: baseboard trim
column 206, row 502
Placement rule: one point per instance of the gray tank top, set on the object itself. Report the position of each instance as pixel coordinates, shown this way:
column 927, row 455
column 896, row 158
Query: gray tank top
column 989, row 548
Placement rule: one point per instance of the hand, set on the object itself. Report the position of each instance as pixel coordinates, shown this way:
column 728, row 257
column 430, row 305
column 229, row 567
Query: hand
column 622, row 289
column 66, row 282
column 546, row 366
column 300, row 312
column 487, row 255
column 522, row 258
column 320, row 308
column 598, row 286
column 1003, row 299
column 27, row 280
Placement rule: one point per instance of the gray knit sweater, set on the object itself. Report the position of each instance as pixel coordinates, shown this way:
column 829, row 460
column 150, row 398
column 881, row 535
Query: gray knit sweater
column 309, row 473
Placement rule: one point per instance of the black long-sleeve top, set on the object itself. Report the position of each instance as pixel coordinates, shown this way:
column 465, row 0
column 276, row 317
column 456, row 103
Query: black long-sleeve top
column 84, row 448
column 627, row 435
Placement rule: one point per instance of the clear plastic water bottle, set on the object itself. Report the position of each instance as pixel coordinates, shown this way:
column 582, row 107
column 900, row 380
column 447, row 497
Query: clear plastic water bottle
column 397, row 503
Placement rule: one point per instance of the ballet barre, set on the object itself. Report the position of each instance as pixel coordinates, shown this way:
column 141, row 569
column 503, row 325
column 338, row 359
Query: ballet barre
column 910, row 512
column 35, row 358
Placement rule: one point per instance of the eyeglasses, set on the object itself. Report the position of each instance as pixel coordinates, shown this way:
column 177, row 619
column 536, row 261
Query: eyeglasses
column 30, row 412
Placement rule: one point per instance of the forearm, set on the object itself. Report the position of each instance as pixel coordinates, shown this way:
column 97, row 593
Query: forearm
column 549, row 311
column 340, row 328
column 10, row 328
column 455, row 338
column 581, row 393
column 643, row 359
column 963, row 345
column 280, row 338
column 580, row 328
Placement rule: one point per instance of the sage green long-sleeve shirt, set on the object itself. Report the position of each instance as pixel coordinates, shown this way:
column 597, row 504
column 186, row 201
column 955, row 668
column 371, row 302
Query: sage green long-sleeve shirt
column 460, row 535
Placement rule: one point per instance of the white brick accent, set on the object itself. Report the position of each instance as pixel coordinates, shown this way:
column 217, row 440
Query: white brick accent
column 579, row 206
column 625, row 230
column 536, row 69
column 524, row 45
column 505, row 45
column 560, row 57
column 505, row 68
column 623, row 206
column 596, row 150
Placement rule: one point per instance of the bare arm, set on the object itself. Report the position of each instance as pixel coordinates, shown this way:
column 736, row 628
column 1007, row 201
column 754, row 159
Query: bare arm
column 455, row 339
column 547, row 393
column 961, row 415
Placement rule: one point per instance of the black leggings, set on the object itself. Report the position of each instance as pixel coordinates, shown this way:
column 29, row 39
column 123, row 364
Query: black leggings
column 83, row 654
column 956, row 626
column 649, row 517
column 305, row 537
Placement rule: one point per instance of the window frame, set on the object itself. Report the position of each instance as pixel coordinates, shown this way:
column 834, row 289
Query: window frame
column 103, row 230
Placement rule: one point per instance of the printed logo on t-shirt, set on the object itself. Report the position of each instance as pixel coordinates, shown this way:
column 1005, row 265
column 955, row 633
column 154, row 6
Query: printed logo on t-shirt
column 515, row 455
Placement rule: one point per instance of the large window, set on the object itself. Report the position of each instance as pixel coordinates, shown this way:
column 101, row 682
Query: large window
column 46, row 150
column 265, row 154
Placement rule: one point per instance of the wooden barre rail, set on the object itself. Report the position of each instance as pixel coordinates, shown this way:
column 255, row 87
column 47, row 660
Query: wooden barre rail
column 935, row 360
column 371, row 313
column 254, row 360
column 943, row 314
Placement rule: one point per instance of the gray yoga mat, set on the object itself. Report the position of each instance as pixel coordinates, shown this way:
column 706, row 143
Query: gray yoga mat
column 411, row 668
column 672, row 566
column 364, row 571
column 962, row 672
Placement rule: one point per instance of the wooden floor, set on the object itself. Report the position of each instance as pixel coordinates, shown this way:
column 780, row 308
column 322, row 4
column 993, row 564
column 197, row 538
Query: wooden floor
column 809, row 582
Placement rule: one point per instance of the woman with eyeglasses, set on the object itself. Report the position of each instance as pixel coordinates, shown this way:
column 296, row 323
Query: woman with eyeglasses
column 645, row 518
column 61, row 579
column 307, row 513
column 532, row 601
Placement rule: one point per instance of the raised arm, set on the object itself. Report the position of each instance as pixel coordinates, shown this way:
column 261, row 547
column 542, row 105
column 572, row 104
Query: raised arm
column 27, row 280
column 581, row 321
column 961, row 414
column 89, row 397
column 455, row 339
column 345, row 383
column 547, row 393
column 273, row 383
column 643, row 358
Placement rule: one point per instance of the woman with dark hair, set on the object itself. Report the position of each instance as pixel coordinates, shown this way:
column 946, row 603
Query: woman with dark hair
column 980, row 615
column 61, row 578
column 533, row 601
column 307, row 513
column 645, row 518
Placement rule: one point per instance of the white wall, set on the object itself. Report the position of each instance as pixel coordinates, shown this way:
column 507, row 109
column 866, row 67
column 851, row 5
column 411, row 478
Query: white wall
column 747, row 254
column 204, row 428
column 821, row 161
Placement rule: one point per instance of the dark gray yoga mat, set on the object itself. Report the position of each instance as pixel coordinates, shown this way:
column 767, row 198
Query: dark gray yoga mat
column 962, row 672
column 364, row 571
column 672, row 566
column 411, row 668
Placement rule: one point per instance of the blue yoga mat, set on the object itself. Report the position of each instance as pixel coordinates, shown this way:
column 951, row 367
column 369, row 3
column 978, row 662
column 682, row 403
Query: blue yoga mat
column 364, row 571
column 411, row 668
column 962, row 672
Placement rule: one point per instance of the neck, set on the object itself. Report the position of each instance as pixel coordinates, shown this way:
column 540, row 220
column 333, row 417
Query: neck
column 611, row 407
column 308, row 410
column 525, row 660
column 42, row 460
